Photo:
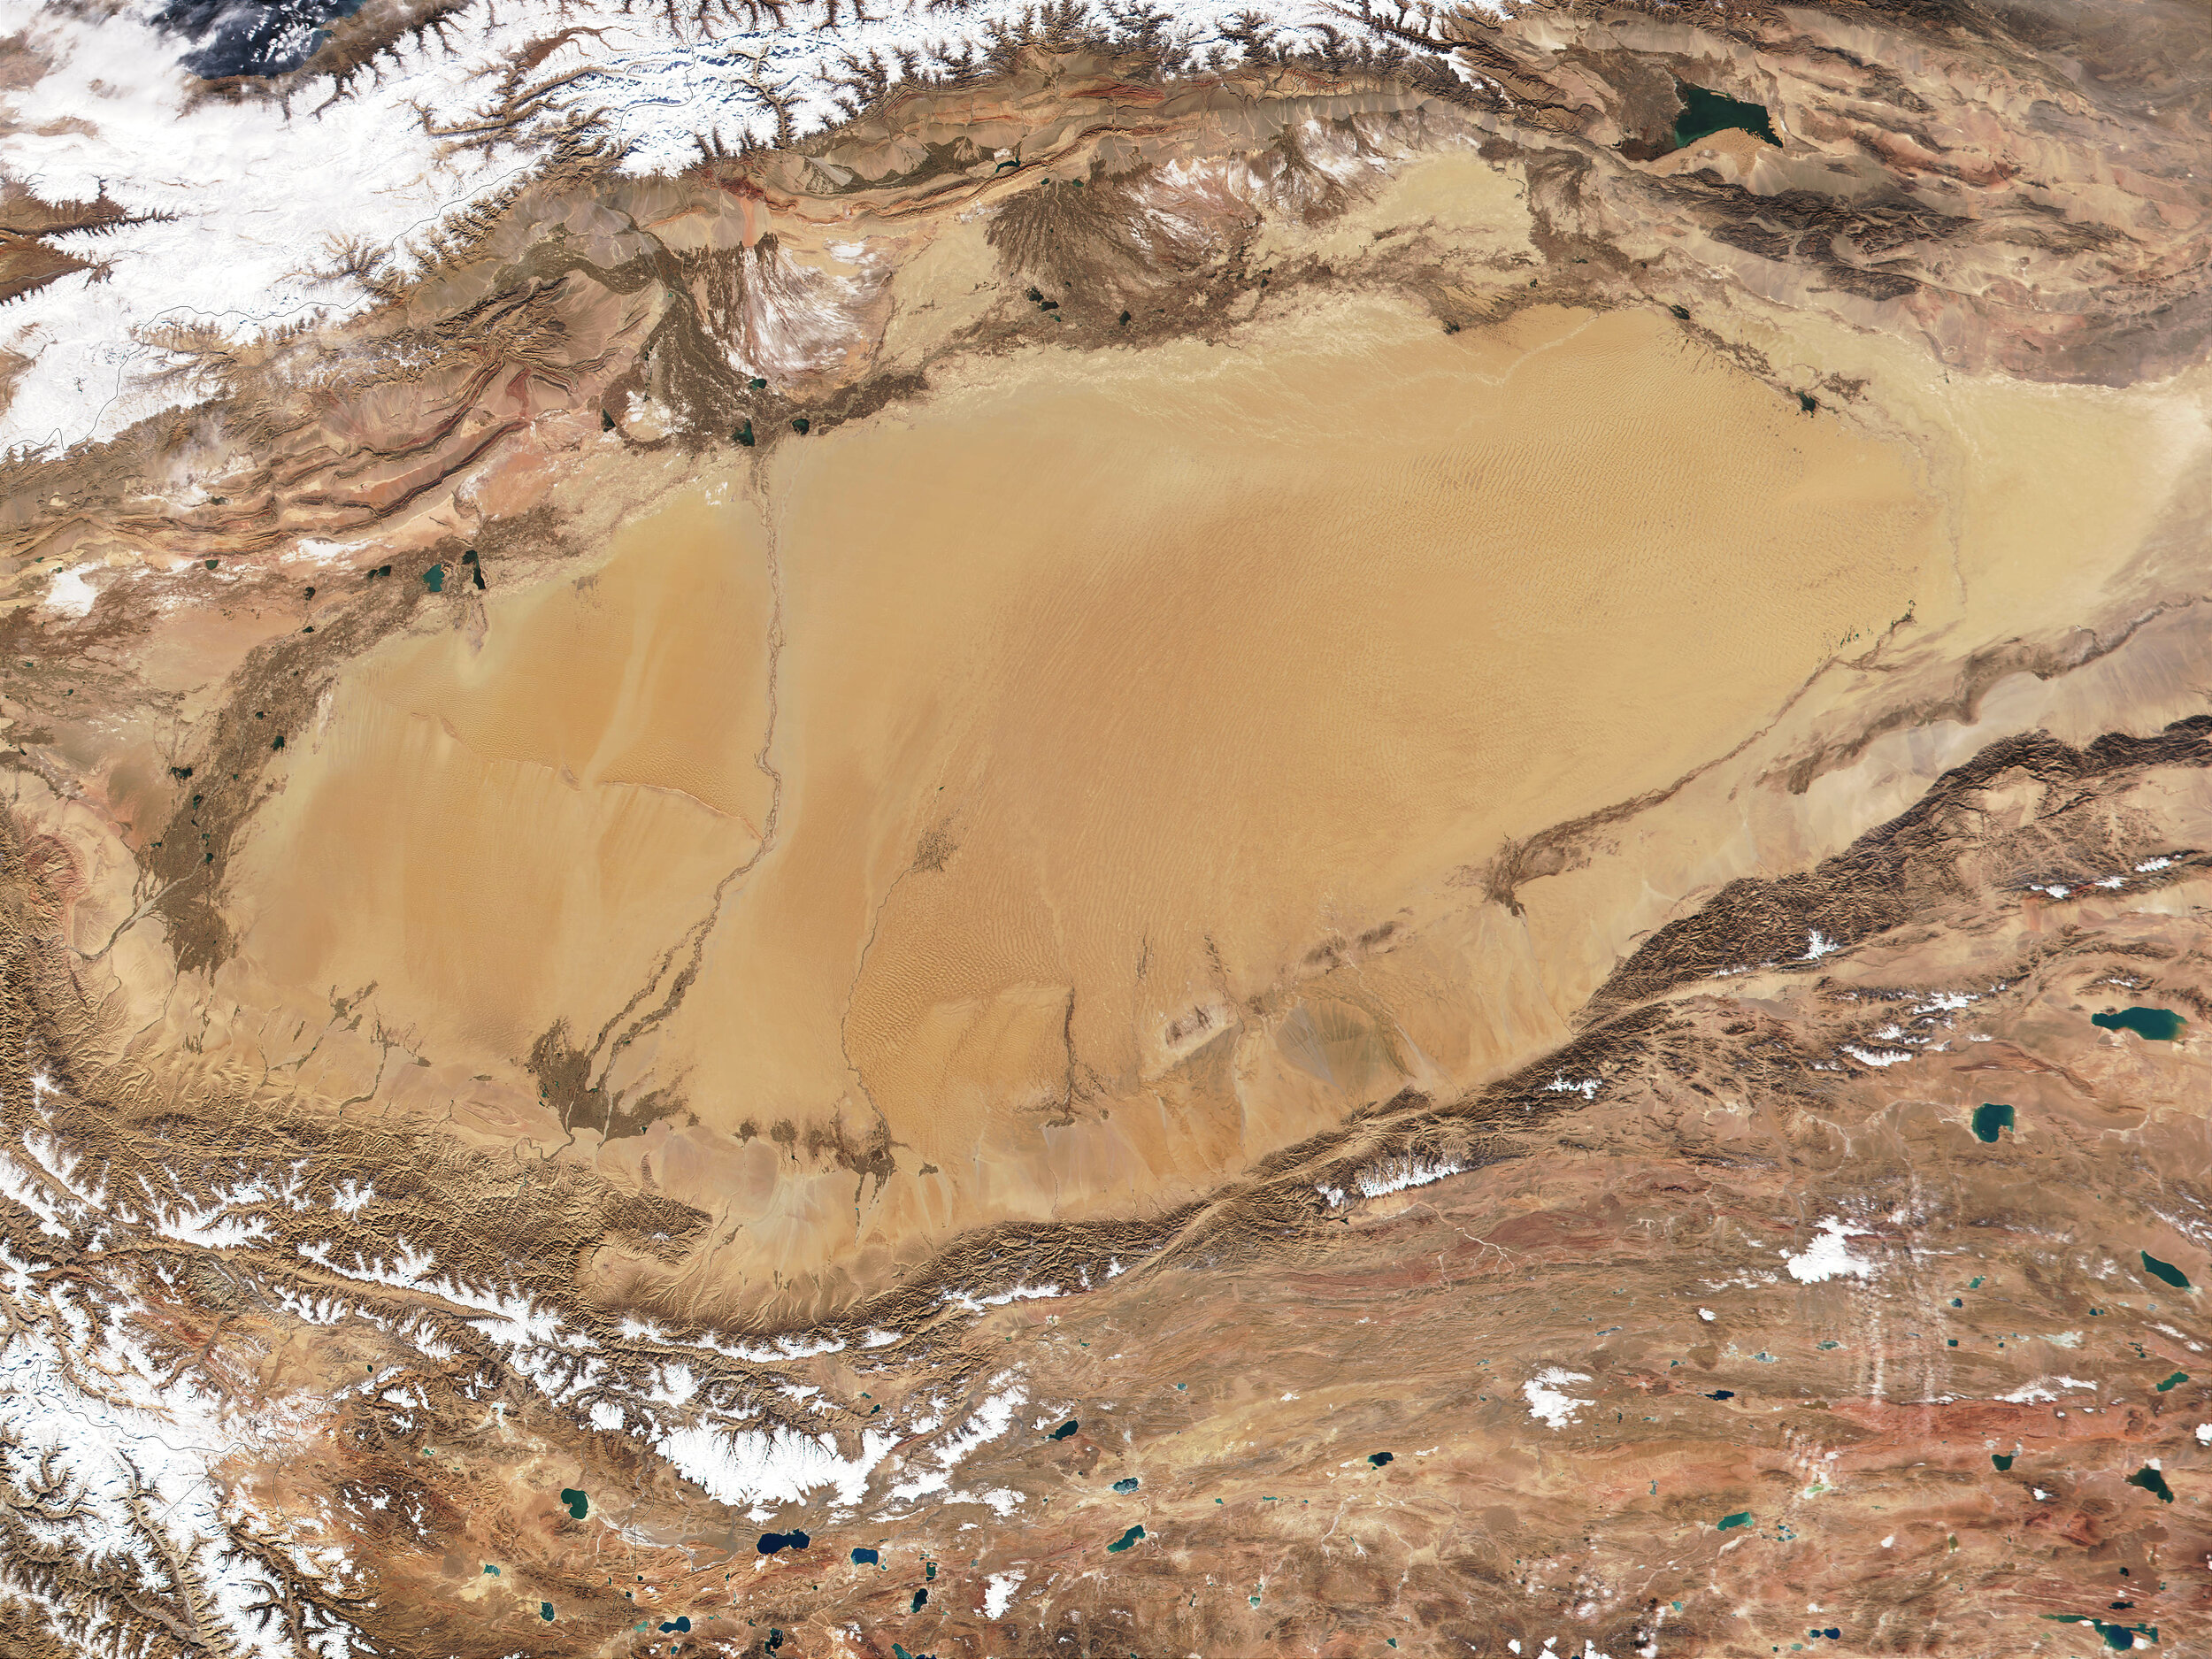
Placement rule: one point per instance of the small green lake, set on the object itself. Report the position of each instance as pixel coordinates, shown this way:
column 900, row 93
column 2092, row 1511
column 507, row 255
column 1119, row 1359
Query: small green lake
column 2160, row 1024
column 1742, row 1518
column 579, row 1505
column 2165, row 1272
column 1991, row 1119
column 2173, row 1382
column 2118, row 1637
column 2003, row 1460
column 1126, row 1540
column 2152, row 1481
column 1704, row 114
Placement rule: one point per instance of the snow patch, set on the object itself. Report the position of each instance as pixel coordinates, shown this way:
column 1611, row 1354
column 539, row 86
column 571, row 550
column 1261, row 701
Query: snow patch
column 1020, row 1292
column 989, row 1421
column 2041, row 1390
column 1875, row 1056
column 1546, row 1401
column 69, row 594
column 1398, row 1174
column 227, row 235
column 1829, row 1256
column 998, row 1592
column 1003, row 1499
column 760, row 1468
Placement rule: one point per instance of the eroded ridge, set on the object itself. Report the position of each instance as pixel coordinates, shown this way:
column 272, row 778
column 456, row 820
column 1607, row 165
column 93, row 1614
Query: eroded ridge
column 271, row 1384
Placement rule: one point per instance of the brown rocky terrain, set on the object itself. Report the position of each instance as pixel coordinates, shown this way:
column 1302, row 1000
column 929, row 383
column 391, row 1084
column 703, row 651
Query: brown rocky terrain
column 1317, row 807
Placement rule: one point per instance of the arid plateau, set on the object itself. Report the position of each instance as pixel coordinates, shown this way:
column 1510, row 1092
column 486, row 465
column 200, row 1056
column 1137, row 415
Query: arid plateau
column 1392, row 837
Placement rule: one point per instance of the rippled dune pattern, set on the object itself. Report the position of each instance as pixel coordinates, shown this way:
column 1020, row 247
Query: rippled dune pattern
column 1103, row 703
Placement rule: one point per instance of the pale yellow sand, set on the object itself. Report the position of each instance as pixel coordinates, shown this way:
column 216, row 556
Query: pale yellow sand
column 497, row 837
column 1111, row 687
